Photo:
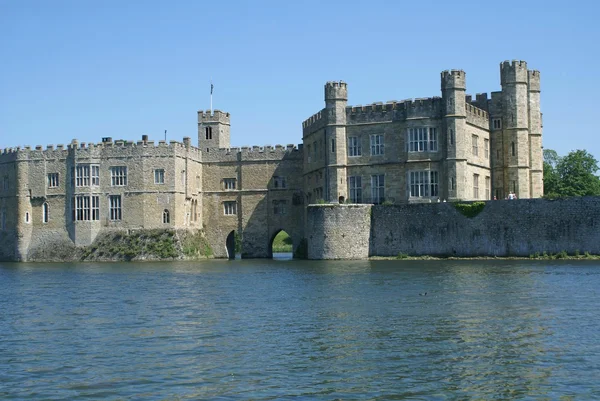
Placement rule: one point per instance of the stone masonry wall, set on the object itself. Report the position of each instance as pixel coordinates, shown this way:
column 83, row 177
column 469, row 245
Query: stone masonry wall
column 338, row 231
column 503, row 228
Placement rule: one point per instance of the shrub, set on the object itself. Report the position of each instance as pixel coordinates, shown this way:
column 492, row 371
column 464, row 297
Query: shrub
column 470, row 210
column 402, row 256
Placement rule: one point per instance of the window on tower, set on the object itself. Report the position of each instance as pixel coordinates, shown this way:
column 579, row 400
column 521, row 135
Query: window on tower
column 208, row 131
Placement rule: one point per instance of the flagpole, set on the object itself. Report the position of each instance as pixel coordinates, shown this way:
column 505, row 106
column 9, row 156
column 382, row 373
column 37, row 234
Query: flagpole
column 211, row 91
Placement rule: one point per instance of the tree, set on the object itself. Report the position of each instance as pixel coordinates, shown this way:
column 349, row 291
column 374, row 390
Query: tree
column 571, row 175
column 577, row 174
column 551, row 178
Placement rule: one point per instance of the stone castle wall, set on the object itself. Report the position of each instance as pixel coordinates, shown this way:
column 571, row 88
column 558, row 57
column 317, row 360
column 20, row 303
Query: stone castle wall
column 503, row 228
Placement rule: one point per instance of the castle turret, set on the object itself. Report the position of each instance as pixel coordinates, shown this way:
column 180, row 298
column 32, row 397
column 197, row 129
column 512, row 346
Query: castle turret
column 536, row 156
column 336, row 100
column 514, row 79
column 213, row 130
column 453, row 95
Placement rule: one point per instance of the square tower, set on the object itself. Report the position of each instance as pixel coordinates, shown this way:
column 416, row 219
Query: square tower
column 213, row 130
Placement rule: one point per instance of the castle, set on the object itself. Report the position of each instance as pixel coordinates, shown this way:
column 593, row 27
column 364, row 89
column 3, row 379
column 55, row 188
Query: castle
column 451, row 147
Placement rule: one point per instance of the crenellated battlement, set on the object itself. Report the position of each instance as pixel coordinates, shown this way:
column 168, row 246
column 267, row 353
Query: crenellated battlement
column 477, row 116
column 266, row 152
column 395, row 110
column 217, row 116
column 336, row 91
column 513, row 72
column 102, row 149
column 453, row 79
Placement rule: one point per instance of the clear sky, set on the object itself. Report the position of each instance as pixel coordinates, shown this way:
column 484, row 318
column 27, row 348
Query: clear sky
column 88, row 69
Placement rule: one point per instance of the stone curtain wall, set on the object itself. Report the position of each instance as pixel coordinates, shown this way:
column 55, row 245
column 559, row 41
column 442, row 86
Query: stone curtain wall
column 338, row 231
column 503, row 228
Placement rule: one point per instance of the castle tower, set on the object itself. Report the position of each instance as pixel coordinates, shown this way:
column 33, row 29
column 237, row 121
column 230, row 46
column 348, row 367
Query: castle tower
column 536, row 156
column 514, row 79
column 213, row 130
column 336, row 99
column 457, row 144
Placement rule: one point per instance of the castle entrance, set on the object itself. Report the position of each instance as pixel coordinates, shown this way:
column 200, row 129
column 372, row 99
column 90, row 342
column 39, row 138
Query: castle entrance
column 281, row 246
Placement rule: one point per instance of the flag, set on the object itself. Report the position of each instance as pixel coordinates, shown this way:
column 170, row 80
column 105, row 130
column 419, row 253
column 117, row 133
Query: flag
column 211, row 88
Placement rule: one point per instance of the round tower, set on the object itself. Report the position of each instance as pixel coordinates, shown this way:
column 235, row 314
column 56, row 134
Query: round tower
column 454, row 86
column 336, row 100
column 514, row 79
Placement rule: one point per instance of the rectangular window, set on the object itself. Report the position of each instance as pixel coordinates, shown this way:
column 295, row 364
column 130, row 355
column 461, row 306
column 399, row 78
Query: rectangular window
column 377, row 188
column 514, row 186
column 229, row 184
column 487, row 187
column 115, row 207
column 86, row 208
column 376, row 145
column 453, row 184
column 82, row 176
column 355, row 189
column 332, row 145
column 52, row 180
column 279, row 182
column 230, row 208
column 475, row 186
column 451, row 136
column 486, row 148
column 423, row 139
column 424, row 184
column 354, row 146
column 475, row 140
column 498, row 194
column 159, row 176
column 497, row 123
column 118, row 176
column 279, row 207
column 315, row 150
column 95, row 175
column 5, row 183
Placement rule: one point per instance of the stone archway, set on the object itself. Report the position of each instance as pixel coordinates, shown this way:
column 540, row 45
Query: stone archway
column 230, row 245
column 281, row 245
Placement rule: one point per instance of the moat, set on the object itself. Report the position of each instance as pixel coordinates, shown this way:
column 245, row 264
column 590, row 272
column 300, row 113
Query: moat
column 279, row 329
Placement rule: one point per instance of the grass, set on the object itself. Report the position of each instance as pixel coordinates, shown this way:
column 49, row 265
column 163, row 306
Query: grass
column 282, row 243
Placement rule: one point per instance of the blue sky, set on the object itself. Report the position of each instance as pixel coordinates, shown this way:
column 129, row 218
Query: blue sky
column 89, row 69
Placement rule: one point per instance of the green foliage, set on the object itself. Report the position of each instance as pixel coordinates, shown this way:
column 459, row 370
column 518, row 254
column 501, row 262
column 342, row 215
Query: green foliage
column 572, row 175
column 301, row 252
column 470, row 210
column 402, row 256
column 387, row 203
column 196, row 245
column 282, row 242
column 320, row 201
column 143, row 244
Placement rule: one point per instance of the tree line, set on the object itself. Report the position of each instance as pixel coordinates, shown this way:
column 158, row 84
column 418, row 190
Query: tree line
column 570, row 175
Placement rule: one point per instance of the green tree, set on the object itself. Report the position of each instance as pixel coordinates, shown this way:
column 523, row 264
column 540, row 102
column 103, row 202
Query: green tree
column 577, row 172
column 551, row 177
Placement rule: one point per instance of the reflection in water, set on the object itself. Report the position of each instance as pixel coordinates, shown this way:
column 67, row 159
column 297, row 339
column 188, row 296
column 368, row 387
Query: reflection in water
column 267, row 329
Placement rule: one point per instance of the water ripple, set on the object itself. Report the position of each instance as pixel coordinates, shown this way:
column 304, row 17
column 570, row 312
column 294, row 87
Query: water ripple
column 267, row 330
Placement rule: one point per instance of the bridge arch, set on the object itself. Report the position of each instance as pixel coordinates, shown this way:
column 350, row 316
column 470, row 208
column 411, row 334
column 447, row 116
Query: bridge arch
column 281, row 244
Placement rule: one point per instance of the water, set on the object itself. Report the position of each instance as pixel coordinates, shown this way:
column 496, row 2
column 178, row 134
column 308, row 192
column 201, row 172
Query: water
column 266, row 330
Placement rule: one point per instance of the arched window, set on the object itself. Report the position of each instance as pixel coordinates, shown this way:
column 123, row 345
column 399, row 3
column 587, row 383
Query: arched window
column 166, row 217
column 45, row 213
